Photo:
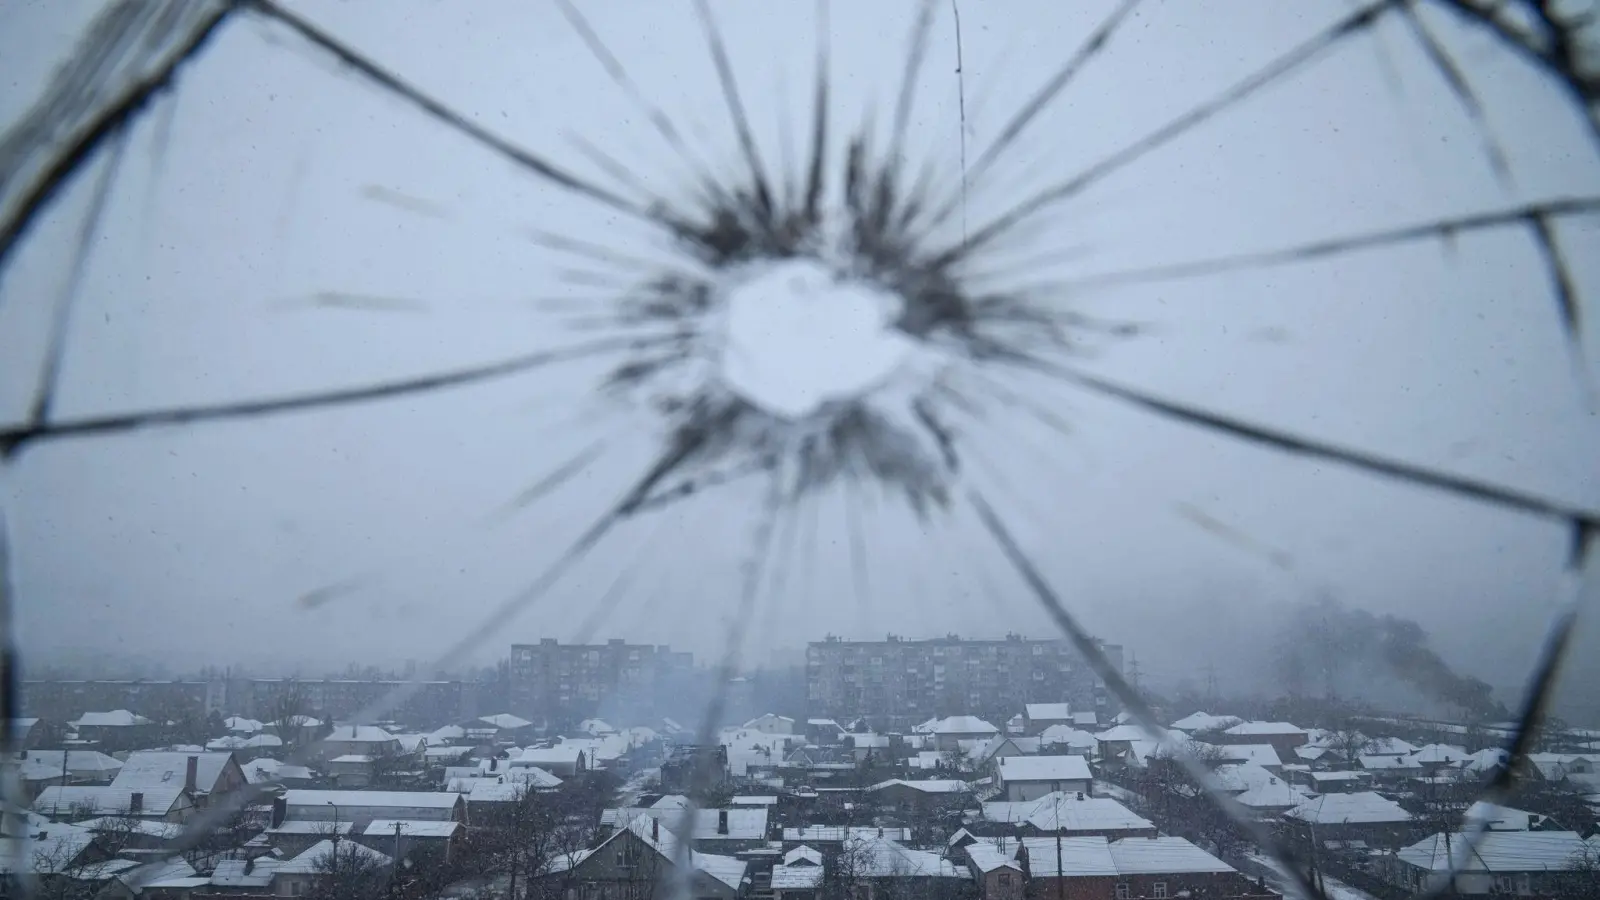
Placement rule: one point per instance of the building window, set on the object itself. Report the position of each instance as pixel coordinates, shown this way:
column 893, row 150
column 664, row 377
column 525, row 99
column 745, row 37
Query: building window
column 1524, row 883
column 1159, row 890
column 1504, row 884
column 1005, row 879
column 1122, row 891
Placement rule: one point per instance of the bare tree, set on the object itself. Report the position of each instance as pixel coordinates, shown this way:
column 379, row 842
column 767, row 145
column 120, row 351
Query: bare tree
column 287, row 711
column 349, row 871
column 1350, row 743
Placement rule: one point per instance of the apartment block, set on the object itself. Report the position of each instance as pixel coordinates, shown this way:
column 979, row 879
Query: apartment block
column 568, row 682
column 897, row 683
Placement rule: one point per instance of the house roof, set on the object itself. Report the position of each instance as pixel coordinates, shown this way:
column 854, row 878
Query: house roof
column 964, row 725
column 240, row 723
column 1068, row 736
column 833, row 834
column 875, row 857
column 371, row 799
column 154, row 769
column 1502, row 818
column 508, row 721
column 359, row 734
column 1204, row 721
column 1118, row 733
column 766, row 717
column 59, row 848
column 1044, row 768
column 1271, row 796
column 107, row 800
column 425, row 828
column 801, row 855
column 726, row 869
column 1389, row 762
column 351, row 758
column 1048, row 710
column 242, row 873
column 1060, row 811
column 1440, row 753
column 1260, row 754
column 40, row 765
column 1502, row 851
column 115, row 718
column 801, row 877
column 743, row 824
column 1162, row 856
column 313, row 859
column 1074, row 857
column 1242, row 776
column 1265, row 728
column 1357, row 808
column 987, row 857
column 927, row 786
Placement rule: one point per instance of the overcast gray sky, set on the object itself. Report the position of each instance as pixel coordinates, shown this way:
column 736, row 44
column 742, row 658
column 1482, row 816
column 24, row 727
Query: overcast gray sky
column 285, row 179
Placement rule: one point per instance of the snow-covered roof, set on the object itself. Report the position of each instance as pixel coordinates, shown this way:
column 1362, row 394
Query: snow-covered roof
column 833, row 834
column 412, row 828
column 51, row 845
column 1242, row 776
column 802, row 855
column 964, row 725
column 987, row 857
column 240, row 723
column 1260, row 754
column 1044, row 768
column 506, row 721
column 359, row 734
column 1502, row 818
column 446, row 734
column 1093, row 856
column 114, row 718
column 240, row 873
column 1117, row 733
column 875, row 857
column 1068, row 736
column 1389, row 762
column 352, row 759
column 1390, row 746
column 1502, row 851
column 107, row 800
column 743, row 824
column 316, row 799
column 1061, row 811
column 1204, row 721
column 1047, row 711
column 1265, row 728
column 155, row 769
column 1162, row 856
column 315, row 857
column 42, row 765
column 1276, row 795
column 803, row 876
column 1357, row 808
column 1440, row 754
column 928, row 786
column 410, row 743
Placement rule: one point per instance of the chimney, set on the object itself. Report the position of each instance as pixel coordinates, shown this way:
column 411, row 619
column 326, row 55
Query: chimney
column 722, row 821
column 492, row 763
column 280, row 811
column 191, row 770
column 880, row 831
column 655, row 829
column 135, row 803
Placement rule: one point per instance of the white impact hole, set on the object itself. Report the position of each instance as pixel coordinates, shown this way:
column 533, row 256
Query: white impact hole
column 798, row 337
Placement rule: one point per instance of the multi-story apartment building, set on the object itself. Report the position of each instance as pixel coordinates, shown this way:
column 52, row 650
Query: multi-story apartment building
column 567, row 682
column 897, row 683
column 64, row 700
column 425, row 704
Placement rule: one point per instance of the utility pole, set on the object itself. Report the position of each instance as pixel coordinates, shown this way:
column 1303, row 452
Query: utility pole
column 1212, row 693
column 1061, row 881
column 1133, row 669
